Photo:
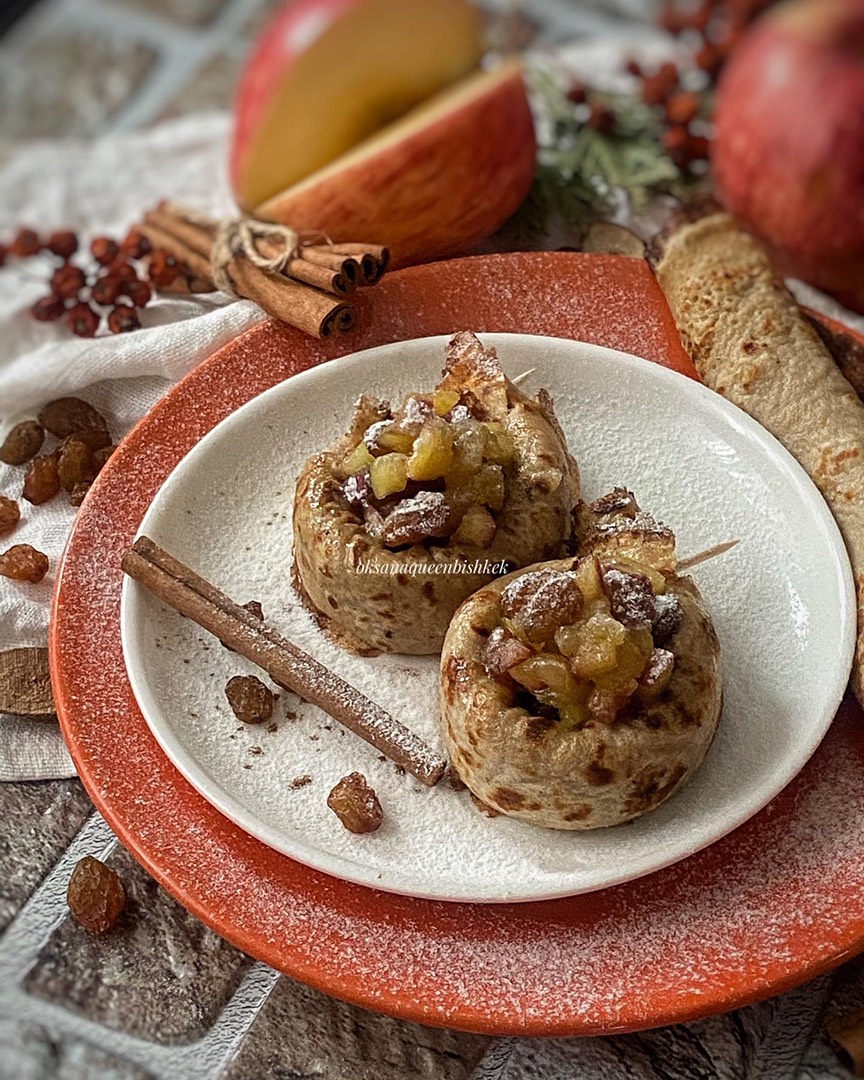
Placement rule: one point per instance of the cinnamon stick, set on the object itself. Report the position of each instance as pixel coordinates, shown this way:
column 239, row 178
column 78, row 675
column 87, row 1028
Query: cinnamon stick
column 374, row 260
column 347, row 266
column 198, row 237
column 185, row 591
column 313, row 312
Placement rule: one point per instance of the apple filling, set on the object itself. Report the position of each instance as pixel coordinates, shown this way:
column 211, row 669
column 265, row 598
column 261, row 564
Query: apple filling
column 578, row 645
column 436, row 470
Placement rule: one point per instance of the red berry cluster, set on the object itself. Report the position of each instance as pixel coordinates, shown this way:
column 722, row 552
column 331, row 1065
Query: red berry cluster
column 714, row 27
column 107, row 287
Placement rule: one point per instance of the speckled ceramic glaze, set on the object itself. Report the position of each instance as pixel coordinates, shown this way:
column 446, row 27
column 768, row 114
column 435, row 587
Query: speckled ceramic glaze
column 225, row 511
column 775, row 902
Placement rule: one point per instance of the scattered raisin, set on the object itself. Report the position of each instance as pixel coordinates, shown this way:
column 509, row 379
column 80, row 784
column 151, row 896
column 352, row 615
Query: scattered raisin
column 124, row 270
column 22, row 443
column 63, row 243
column 95, row 895
column 577, row 94
column 75, row 463
column 356, row 804
column 42, row 481
column 101, row 456
column 254, row 608
column 69, row 416
column 122, row 319
column 76, row 496
column 25, row 244
column 106, row 289
column 23, row 563
column 104, row 250
column 250, row 700
column 3, row 253
column 82, row 320
column 48, row 309
column 67, row 281
column 10, row 514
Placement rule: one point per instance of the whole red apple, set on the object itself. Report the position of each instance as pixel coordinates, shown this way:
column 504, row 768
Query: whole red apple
column 788, row 154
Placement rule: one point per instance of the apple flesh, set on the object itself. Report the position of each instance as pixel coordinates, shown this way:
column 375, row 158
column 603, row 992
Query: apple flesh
column 788, row 153
column 328, row 73
column 431, row 185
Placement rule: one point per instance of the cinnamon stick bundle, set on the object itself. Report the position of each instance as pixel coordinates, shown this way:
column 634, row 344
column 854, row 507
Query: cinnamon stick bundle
column 298, row 288
column 185, row 591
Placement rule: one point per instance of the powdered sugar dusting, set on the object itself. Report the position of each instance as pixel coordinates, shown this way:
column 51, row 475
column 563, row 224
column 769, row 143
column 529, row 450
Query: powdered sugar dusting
column 227, row 513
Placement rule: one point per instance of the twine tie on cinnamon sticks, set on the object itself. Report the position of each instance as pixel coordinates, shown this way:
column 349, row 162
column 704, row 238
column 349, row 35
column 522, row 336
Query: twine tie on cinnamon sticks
column 294, row 279
column 240, row 236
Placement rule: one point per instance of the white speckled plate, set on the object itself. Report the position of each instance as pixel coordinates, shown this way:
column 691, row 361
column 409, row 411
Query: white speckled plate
column 782, row 602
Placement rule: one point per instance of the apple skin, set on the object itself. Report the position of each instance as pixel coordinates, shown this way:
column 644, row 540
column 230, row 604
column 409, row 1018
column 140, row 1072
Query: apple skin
column 430, row 191
column 788, row 154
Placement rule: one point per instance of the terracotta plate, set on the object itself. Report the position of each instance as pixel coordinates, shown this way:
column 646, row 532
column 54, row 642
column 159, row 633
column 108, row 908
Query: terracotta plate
column 775, row 902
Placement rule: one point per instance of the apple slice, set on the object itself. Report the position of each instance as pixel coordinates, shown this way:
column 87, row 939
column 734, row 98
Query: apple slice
column 328, row 73
column 432, row 184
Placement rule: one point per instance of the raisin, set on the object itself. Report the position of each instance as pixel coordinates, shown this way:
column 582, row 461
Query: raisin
column 631, row 598
column 95, row 895
column 23, row 563
column 42, row 481
column 254, row 608
column 76, row 496
column 250, row 700
column 356, row 804
column 67, row 416
column 22, row 443
column 75, row 463
column 101, row 456
column 10, row 514
column 667, row 618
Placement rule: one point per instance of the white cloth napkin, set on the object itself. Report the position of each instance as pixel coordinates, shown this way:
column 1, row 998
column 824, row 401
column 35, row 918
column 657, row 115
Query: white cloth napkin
column 94, row 188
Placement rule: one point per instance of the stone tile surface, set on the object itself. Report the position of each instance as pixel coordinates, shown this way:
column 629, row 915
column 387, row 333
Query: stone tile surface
column 302, row 1033
column 29, row 1052
column 160, row 974
column 186, row 12
column 69, row 82
column 39, row 820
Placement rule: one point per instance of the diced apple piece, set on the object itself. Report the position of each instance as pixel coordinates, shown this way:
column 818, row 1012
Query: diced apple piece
column 388, row 474
column 358, row 459
column 592, row 646
column 487, row 487
column 444, row 400
column 500, row 448
column 432, row 456
column 588, row 579
column 477, row 527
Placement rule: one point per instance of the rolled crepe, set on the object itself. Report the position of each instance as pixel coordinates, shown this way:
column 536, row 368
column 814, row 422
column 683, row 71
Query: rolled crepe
column 752, row 343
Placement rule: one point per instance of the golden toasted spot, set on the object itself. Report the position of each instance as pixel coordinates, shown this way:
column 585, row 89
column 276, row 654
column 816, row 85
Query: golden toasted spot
column 598, row 775
column 508, row 799
column 429, row 590
column 580, row 813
